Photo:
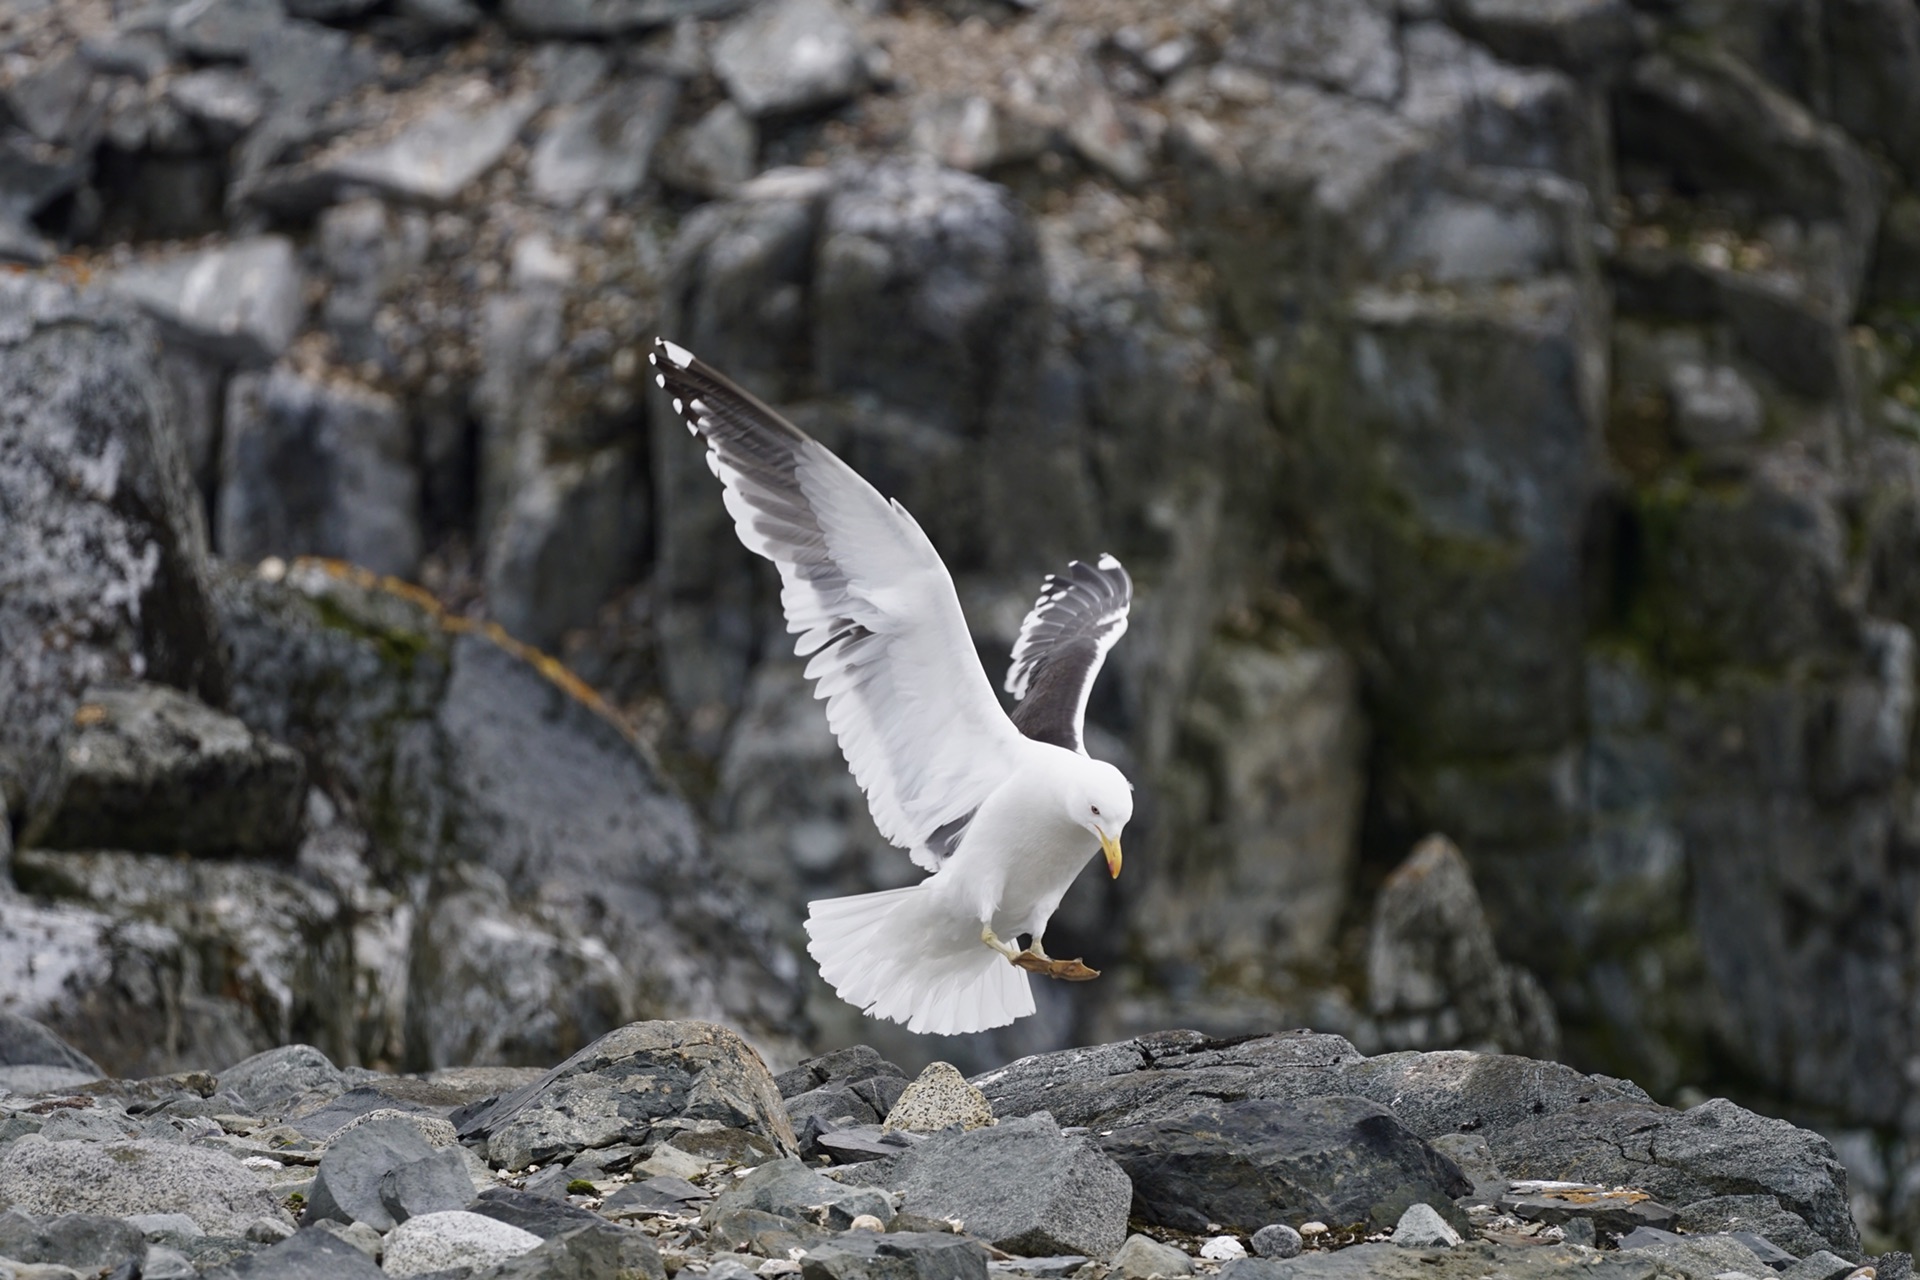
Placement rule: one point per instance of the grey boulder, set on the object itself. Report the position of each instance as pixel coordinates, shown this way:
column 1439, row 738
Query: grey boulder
column 150, row 768
column 619, row 1087
column 312, row 1254
column 791, row 55
column 431, row 1184
column 272, row 1079
column 87, row 1242
column 25, row 1043
column 1022, row 1185
column 143, row 1176
column 438, row 1241
column 347, row 1186
column 1244, row 1164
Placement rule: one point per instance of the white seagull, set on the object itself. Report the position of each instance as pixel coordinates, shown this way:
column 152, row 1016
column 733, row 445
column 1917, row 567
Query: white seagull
column 1004, row 812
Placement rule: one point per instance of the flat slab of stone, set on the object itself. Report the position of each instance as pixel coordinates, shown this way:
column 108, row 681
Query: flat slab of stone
column 1616, row 1209
column 439, row 155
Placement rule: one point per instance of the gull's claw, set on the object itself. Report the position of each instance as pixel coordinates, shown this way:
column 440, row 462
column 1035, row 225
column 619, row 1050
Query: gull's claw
column 1046, row 966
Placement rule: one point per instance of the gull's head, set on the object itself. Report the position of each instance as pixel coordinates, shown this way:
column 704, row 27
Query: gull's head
column 1102, row 801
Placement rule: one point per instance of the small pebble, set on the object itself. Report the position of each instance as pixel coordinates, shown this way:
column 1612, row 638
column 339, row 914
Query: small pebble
column 1313, row 1228
column 866, row 1222
column 1277, row 1241
column 1223, row 1249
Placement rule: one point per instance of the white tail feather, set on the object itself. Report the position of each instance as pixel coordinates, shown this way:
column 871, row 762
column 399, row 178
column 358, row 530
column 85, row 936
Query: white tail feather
column 899, row 954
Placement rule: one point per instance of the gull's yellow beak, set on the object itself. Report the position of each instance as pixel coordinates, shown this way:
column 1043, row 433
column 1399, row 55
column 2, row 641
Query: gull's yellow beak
column 1111, row 847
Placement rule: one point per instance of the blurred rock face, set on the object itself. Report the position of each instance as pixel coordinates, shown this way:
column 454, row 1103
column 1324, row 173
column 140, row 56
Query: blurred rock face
column 1511, row 414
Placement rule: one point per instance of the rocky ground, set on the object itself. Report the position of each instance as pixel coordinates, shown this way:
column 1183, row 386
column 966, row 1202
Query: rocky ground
column 1509, row 412
column 668, row 1149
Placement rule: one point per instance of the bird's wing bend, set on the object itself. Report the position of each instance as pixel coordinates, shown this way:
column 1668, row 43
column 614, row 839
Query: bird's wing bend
column 873, row 606
column 1078, row 617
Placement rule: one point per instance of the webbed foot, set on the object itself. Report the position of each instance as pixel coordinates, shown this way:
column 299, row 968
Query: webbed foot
column 1046, row 966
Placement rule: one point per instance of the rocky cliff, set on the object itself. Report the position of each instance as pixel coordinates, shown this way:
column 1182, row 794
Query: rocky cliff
column 1510, row 413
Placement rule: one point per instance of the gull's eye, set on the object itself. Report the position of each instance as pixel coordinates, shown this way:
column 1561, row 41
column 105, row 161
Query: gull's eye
column 1096, row 811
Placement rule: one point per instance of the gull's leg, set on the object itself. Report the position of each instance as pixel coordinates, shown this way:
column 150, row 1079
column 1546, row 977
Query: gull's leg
column 1036, row 960
column 1006, row 949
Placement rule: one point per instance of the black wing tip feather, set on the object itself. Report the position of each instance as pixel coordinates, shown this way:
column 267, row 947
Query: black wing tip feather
column 687, row 378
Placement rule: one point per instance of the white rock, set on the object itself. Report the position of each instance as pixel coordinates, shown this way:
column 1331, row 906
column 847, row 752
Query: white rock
column 1422, row 1227
column 454, row 1238
column 1223, row 1249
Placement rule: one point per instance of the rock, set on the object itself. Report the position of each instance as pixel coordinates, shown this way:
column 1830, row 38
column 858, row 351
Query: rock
column 223, row 28
column 581, row 513
column 1582, row 36
column 1475, row 1158
column 435, row 1241
column 604, row 143
column 1618, row 1211
column 542, row 1215
column 348, row 1186
column 308, row 468
column 88, row 1243
column 1697, row 1255
column 107, row 552
column 148, row 767
column 977, row 132
column 225, row 102
column 1348, row 45
column 242, row 301
column 788, row 1189
column 25, row 1043
column 144, row 1176
column 1022, row 1185
column 1276, row 1240
column 1143, row 1257
column 616, row 1088
column 312, row 1254
column 269, row 1081
column 1434, row 977
column 940, row 1097
column 164, row 1226
column 268, row 1230
column 957, row 255
column 1222, row 1249
column 602, row 18
column 842, row 1066
column 1713, row 1149
column 434, row 1184
column 1384, row 1262
column 791, row 55
column 491, row 982
column 657, row 1194
column 587, row 1253
column 1420, row 1227
column 1257, row 880
column 1820, row 1266
column 903, row 1255
column 439, row 155
column 1760, row 1215
column 1241, row 1164
column 1714, row 406
column 714, row 155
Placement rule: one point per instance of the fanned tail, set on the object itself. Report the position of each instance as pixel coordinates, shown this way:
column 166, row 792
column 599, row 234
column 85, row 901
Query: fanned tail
column 898, row 954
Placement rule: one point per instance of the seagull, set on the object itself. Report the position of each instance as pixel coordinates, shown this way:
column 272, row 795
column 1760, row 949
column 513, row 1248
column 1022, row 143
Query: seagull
column 1004, row 811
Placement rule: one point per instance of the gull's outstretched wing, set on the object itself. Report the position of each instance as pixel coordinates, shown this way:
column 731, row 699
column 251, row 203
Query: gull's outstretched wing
column 1062, row 643
column 873, row 606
